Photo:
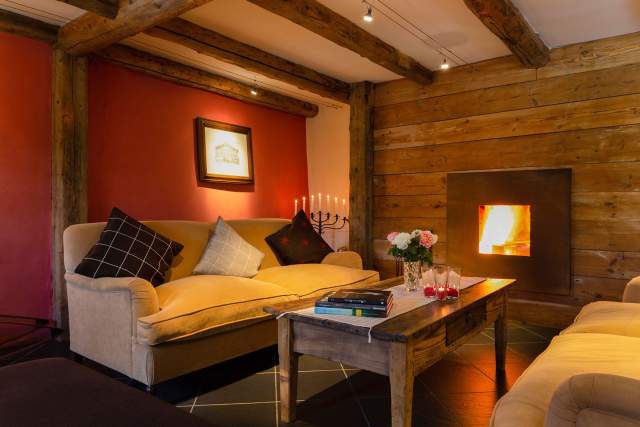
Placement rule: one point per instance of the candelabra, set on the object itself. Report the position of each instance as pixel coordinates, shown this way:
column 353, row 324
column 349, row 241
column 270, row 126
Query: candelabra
column 322, row 221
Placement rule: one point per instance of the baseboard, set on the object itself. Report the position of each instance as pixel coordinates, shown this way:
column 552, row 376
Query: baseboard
column 540, row 313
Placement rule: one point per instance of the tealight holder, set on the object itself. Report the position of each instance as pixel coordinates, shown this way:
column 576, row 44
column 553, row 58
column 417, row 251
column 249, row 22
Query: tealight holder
column 453, row 282
column 441, row 277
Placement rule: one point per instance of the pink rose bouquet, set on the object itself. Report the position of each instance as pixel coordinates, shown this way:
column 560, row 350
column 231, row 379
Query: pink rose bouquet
column 414, row 246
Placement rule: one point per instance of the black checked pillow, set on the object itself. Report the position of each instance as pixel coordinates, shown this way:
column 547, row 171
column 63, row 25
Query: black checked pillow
column 298, row 242
column 128, row 248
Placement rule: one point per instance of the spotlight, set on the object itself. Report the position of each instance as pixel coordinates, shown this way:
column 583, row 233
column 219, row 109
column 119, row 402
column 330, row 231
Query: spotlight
column 444, row 65
column 368, row 17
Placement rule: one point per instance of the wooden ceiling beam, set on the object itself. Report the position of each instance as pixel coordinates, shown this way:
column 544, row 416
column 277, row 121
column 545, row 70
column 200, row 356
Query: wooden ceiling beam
column 91, row 32
column 218, row 46
column 106, row 8
column 505, row 21
column 27, row 27
column 223, row 48
column 172, row 71
column 323, row 21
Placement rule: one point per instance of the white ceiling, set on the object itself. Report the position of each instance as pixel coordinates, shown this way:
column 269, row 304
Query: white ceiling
column 427, row 30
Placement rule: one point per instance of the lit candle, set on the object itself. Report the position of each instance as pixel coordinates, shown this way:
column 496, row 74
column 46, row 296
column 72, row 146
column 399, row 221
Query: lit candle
column 344, row 207
column 328, row 203
column 441, row 293
column 311, row 206
column 304, row 204
column 295, row 207
column 335, row 204
column 319, row 201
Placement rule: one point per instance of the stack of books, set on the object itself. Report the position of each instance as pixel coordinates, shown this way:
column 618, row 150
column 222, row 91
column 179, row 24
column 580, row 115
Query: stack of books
column 356, row 302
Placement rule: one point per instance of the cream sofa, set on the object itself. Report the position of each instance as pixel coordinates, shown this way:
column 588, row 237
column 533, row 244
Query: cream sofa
column 190, row 322
column 588, row 376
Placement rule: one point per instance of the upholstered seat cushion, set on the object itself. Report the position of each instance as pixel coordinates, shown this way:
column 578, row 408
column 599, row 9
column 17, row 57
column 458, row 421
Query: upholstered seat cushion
column 607, row 317
column 195, row 306
column 567, row 355
column 305, row 280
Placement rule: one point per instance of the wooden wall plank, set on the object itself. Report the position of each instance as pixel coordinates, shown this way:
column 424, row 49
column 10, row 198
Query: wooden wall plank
column 608, row 264
column 420, row 206
column 68, row 164
column 615, row 144
column 598, row 113
column 107, row 8
column 361, row 171
column 605, row 206
column 611, row 235
column 623, row 80
column 588, row 289
column 603, row 177
column 383, row 226
column 410, row 184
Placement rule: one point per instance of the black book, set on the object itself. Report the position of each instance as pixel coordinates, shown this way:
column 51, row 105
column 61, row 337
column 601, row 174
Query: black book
column 326, row 303
column 361, row 296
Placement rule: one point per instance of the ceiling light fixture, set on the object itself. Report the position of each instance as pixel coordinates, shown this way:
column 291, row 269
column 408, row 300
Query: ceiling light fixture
column 368, row 17
column 254, row 89
column 445, row 65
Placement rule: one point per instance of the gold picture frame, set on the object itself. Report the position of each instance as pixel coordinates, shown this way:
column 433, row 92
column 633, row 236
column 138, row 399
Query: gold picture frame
column 224, row 153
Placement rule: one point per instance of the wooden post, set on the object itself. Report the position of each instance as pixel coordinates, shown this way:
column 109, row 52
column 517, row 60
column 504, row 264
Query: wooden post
column 68, row 164
column 288, row 371
column 361, row 172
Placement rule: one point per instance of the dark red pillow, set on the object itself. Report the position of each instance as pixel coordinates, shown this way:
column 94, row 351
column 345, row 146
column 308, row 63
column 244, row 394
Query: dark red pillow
column 298, row 243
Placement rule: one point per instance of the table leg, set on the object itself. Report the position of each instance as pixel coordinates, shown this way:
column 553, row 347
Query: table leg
column 288, row 371
column 401, row 377
column 501, row 338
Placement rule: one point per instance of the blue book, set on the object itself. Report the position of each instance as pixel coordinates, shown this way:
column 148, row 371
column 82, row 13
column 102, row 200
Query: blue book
column 359, row 312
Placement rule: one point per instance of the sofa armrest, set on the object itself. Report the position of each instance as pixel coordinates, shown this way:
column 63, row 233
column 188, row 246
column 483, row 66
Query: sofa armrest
column 632, row 291
column 143, row 297
column 595, row 399
column 103, row 316
column 344, row 259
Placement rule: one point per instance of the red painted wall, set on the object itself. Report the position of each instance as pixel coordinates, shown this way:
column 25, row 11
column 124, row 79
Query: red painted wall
column 25, row 176
column 142, row 158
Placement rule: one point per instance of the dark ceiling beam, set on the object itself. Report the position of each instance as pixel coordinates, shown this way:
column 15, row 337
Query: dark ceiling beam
column 185, row 75
column 21, row 25
column 505, row 21
column 316, row 17
column 218, row 46
column 91, row 32
column 106, row 8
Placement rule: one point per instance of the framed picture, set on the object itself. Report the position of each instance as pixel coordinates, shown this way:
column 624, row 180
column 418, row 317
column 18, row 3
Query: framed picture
column 223, row 152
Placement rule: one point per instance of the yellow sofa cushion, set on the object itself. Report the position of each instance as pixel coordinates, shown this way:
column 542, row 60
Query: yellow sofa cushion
column 201, row 305
column 569, row 354
column 607, row 317
column 306, row 280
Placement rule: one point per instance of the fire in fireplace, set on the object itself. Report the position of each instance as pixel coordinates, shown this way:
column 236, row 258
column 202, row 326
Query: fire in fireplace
column 505, row 230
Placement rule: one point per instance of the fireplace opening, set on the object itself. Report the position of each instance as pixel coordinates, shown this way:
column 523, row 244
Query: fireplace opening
column 505, row 230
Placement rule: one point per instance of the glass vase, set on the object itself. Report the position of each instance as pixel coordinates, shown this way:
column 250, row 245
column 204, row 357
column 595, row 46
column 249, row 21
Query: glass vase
column 412, row 273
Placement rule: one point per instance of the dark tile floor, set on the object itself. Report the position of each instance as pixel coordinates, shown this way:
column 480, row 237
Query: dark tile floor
column 460, row 390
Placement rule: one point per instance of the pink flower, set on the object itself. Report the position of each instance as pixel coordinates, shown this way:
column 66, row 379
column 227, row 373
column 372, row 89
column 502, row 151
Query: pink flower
column 392, row 236
column 428, row 239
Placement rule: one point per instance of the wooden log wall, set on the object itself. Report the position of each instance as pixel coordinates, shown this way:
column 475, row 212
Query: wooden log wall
column 581, row 110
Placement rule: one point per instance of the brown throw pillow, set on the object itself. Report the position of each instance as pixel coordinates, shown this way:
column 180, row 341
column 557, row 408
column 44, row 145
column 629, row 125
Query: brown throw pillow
column 298, row 243
column 128, row 248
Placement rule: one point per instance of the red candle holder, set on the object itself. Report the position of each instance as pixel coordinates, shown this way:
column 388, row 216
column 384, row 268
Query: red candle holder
column 441, row 293
column 452, row 293
column 429, row 291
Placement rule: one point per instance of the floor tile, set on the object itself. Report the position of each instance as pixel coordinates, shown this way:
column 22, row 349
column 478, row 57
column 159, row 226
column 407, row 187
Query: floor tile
column 486, row 354
column 256, row 388
column 528, row 350
column 451, row 376
column 547, row 333
column 427, row 411
column 255, row 415
column 470, row 409
column 519, row 334
column 332, row 383
column 321, row 411
column 310, row 363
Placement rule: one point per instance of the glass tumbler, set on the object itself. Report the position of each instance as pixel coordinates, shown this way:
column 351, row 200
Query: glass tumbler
column 453, row 282
column 441, row 276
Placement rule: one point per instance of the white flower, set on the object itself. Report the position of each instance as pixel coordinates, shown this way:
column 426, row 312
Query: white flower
column 435, row 239
column 402, row 241
column 415, row 233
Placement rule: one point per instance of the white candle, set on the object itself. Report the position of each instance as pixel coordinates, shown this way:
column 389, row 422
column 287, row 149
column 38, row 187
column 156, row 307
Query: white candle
column 295, row 208
column 344, row 207
column 335, row 204
column 319, row 201
column 311, row 206
column 304, row 204
column 328, row 203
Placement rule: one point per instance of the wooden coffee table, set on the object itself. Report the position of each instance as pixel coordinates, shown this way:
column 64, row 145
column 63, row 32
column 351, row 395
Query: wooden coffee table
column 401, row 347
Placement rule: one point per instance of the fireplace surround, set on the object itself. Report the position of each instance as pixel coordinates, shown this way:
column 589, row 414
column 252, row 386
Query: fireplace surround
column 514, row 224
